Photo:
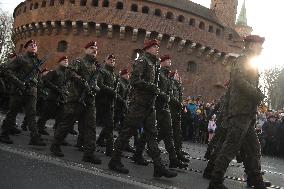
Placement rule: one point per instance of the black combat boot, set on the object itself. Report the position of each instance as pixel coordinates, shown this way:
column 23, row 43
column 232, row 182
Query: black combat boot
column 14, row 130
column 24, row 127
column 140, row 160
column 117, row 166
column 207, row 172
column 101, row 143
column 177, row 164
column 207, row 154
column 216, row 185
column 258, row 184
column 91, row 158
column 182, row 158
column 56, row 150
column 184, row 153
column 5, row 139
column 160, row 171
column 36, row 141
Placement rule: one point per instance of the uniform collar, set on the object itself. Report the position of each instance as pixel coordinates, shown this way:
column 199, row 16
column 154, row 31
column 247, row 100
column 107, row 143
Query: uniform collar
column 151, row 57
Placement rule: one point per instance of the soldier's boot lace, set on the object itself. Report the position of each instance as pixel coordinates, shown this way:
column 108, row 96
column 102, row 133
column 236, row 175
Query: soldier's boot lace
column 36, row 141
column 177, row 164
column 117, row 166
column 5, row 139
column 91, row 158
column 214, row 185
column 160, row 171
column 140, row 160
column 56, row 150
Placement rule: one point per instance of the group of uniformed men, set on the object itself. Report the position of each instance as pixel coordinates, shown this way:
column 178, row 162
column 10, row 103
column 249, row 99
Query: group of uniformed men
column 148, row 104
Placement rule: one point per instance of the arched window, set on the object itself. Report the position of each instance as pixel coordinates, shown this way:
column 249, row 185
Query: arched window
column 169, row 15
column 119, row 5
column 36, row 6
column 201, row 25
column 72, row 1
column 180, row 18
column 43, row 4
column 145, row 10
column 31, row 6
column 192, row 22
column 51, row 3
column 218, row 32
column 191, row 67
column 95, row 3
column 211, row 29
column 61, row 2
column 62, row 46
column 105, row 3
column 25, row 9
column 230, row 37
column 21, row 48
column 158, row 12
column 83, row 2
column 134, row 8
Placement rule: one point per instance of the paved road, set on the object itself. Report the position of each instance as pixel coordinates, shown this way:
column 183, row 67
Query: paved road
column 27, row 167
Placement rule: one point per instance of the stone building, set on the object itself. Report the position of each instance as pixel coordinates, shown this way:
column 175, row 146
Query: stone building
column 199, row 40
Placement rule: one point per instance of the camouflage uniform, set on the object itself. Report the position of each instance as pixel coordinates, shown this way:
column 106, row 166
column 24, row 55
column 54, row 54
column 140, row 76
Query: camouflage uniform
column 141, row 110
column 79, row 109
column 176, row 108
column 107, row 84
column 57, row 83
column 244, row 96
column 23, row 94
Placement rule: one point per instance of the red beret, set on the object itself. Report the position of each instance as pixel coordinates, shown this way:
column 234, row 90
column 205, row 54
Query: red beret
column 12, row 55
column 172, row 73
column 44, row 70
column 165, row 57
column 90, row 44
column 150, row 43
column 254, row 38
column 124, row 71
column 29, row 42
column 110, row 56
column 62, row 58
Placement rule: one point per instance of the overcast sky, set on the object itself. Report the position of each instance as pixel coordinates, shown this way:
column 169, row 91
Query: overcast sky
column 263, row 16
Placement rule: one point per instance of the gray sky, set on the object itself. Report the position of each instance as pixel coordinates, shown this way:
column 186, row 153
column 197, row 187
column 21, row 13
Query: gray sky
column 263, row 16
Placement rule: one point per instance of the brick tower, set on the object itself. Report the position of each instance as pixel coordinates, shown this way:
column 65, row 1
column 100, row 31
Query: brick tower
column 226, row 11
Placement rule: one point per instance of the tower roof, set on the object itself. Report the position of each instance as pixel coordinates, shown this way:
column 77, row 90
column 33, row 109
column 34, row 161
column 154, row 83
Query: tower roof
column 242, row 19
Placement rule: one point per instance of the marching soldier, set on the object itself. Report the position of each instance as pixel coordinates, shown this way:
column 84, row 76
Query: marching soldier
column 23, row 73
column 56, row 81
column 176, row 110
column 144, row 81
column 108, row 84
column 244, row 97
column 80, row 105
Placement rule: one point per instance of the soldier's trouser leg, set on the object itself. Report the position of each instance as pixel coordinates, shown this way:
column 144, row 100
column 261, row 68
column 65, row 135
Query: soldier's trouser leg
column 80, row 139
column 237, row 131
column 30, row 111
column 70, row 113
column 177, row 132
column 139, row 114
column 89, row 119
column 14, row 106
column 251, row 154
column 212, row 144
column 165, row 133
column 107, row 131
column 49, row 111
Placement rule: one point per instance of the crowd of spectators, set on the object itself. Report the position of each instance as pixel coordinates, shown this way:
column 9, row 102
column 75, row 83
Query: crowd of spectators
column 199, row 124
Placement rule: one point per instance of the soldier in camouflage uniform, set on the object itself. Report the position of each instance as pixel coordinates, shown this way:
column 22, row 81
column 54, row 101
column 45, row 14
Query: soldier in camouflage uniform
column 80, row 105
column 107, row 82
column 176, row 108
column 23, row 73
column 56, row 82
column 121, row 104
column 141, row 113
column 244, row 97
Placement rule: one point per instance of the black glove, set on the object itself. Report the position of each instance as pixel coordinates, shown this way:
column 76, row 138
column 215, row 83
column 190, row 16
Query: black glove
column 154, row 89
